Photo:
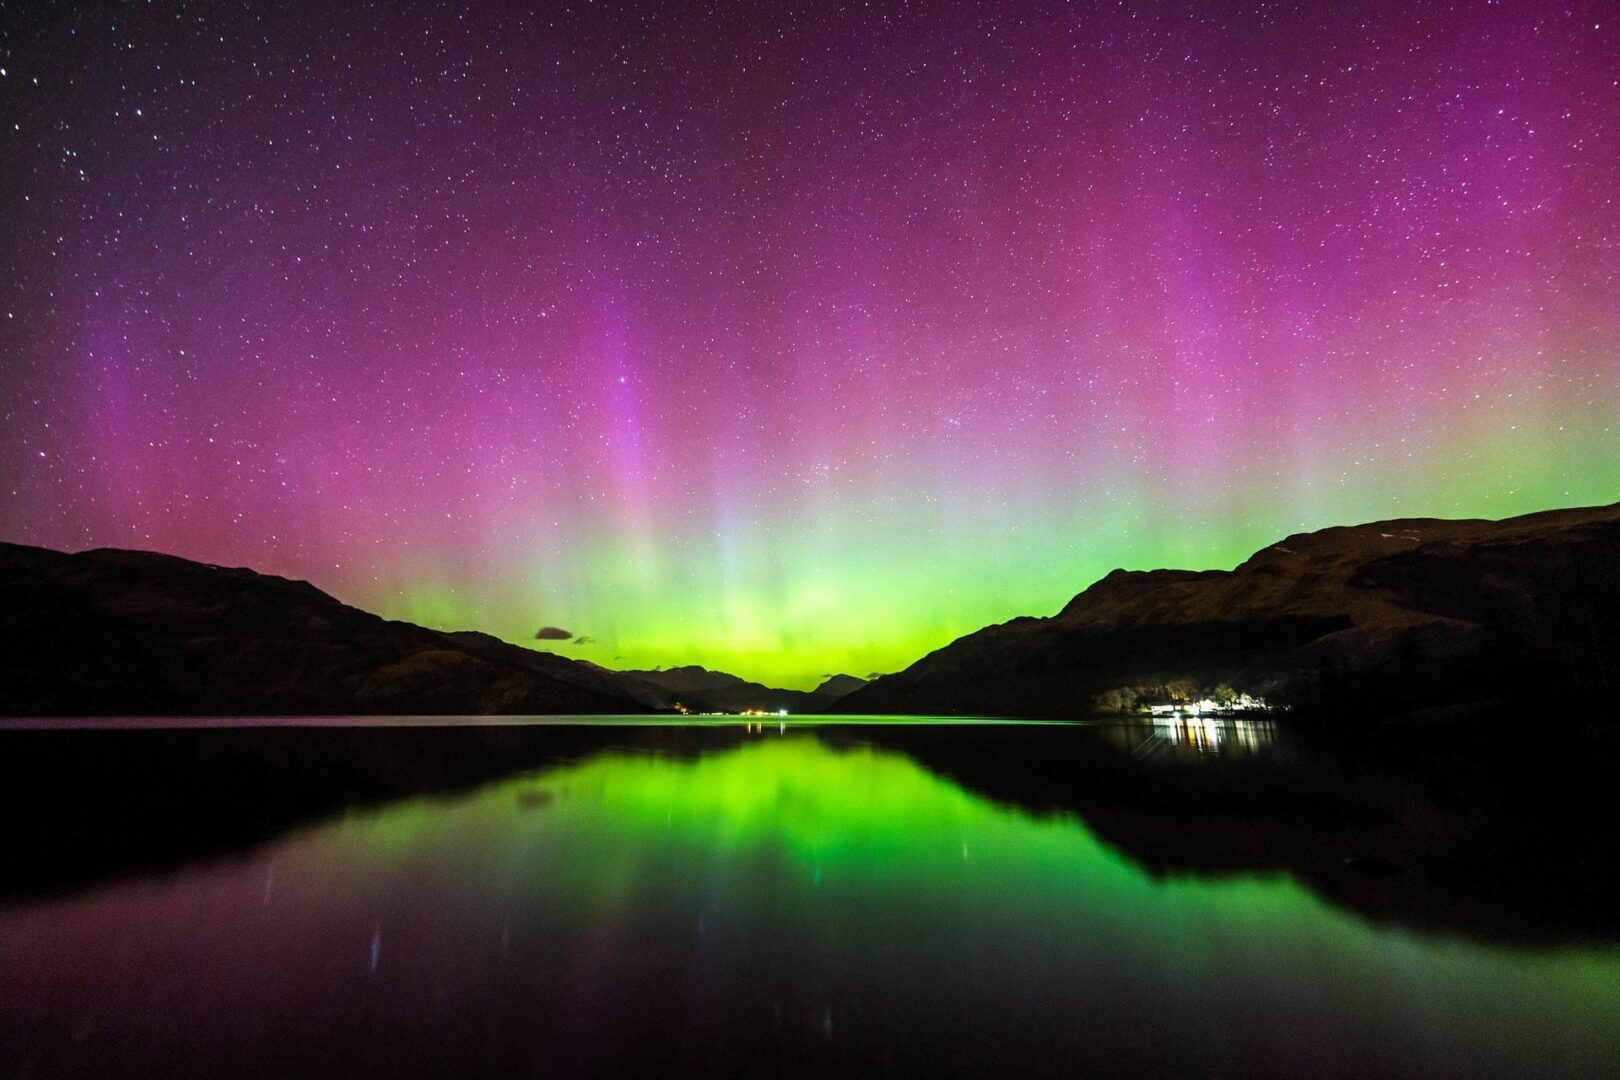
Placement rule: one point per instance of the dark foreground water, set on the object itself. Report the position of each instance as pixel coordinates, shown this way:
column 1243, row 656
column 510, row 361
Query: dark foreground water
column 1217, row 899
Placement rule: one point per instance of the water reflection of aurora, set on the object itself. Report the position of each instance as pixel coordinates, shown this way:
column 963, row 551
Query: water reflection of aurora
column 785, row 890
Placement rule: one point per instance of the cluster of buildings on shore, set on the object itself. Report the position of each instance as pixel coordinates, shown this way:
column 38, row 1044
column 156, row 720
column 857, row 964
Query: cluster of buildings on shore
column 1235, row 705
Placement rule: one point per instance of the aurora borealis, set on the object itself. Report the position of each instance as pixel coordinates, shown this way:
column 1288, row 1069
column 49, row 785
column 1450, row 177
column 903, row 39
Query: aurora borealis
column 794, row 338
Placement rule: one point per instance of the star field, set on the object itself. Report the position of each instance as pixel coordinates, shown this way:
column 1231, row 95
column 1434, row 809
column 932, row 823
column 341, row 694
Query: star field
column 798, row 338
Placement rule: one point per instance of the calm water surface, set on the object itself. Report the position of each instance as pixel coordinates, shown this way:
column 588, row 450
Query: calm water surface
column 776, row 899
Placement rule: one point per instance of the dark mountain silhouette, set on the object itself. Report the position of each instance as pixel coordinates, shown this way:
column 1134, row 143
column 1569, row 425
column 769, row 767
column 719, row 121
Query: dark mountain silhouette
column 704, row 689
column 129, row 632
column 837, row 687
column 1393, row 616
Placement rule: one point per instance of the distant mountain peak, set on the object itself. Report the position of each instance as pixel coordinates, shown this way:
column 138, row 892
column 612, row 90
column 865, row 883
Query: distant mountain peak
column 691, row 678
column 725, row 691
column 837, row 686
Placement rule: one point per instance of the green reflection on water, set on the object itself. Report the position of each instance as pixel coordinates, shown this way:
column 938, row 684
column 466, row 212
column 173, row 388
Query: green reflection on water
column 785, row 864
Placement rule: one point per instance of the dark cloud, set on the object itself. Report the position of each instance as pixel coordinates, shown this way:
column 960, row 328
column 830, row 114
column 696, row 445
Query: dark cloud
column 553, row 633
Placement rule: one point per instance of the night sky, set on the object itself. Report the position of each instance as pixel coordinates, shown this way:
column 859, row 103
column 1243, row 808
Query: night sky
column 792, row 339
